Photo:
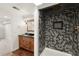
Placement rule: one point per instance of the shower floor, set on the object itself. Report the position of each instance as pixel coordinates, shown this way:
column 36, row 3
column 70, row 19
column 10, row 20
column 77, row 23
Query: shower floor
column 52, row 52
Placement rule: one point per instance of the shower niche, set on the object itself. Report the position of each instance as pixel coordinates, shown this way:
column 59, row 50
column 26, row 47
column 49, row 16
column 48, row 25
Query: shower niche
column 58, row 25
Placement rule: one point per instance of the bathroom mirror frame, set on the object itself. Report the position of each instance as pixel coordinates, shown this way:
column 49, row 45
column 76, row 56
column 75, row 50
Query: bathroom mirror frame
column 30, row 25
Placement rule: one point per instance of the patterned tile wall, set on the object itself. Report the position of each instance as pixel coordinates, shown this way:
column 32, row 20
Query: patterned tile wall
column 41, row 36
column 66, row 39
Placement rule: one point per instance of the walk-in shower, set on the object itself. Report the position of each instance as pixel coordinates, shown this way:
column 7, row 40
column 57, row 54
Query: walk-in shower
column 63, row 37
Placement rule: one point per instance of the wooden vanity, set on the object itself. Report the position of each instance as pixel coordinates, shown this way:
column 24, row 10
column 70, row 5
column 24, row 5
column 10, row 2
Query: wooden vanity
column 26, row 42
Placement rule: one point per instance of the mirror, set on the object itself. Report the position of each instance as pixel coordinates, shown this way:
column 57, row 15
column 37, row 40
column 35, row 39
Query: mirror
column 30, row 25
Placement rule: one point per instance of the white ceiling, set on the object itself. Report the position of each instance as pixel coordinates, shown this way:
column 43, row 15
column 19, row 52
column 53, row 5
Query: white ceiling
column 25, row 9
column 44, row 5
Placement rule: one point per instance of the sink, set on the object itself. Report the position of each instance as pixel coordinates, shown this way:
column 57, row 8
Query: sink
column 29, row 34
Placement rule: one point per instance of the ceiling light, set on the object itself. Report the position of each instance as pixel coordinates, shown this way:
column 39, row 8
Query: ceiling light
column 15, row 8
column 21, row 11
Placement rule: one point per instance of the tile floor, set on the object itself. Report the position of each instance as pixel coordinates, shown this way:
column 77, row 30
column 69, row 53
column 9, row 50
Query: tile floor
column 20, row 52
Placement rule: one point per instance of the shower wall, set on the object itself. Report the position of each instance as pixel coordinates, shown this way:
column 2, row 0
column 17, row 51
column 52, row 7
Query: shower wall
column 66, row 39
column 41, row 32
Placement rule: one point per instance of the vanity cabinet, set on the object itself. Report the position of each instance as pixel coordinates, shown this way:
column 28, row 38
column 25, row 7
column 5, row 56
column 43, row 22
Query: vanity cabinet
column 26, row 42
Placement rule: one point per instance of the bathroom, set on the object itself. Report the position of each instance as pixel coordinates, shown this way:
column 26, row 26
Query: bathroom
column 59, row 29
column 13, row 24
column 48, row 29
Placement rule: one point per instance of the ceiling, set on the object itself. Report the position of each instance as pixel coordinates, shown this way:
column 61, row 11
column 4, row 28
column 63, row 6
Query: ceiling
column 6, row 9
column 44, row 5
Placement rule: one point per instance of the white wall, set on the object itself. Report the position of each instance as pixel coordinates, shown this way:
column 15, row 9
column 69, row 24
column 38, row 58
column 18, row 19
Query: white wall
column 18, row 28
column 36, row 32
column 5, row 44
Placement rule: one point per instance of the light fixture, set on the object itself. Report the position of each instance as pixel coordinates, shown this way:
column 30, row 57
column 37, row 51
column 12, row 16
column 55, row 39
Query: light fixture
column 21, row 11
column 14, row 7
